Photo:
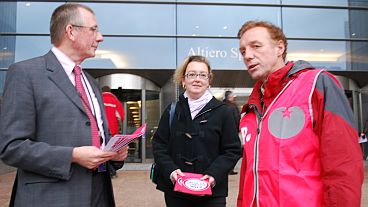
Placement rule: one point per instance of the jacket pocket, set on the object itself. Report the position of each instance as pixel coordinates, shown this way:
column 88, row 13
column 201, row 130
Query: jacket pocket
column 34, row 179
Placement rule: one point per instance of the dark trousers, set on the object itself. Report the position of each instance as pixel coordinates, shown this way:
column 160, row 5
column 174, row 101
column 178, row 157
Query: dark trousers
column 101, row 190
column 173, row 200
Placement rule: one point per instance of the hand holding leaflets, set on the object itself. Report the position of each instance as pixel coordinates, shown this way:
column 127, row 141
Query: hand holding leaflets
column 118, row 141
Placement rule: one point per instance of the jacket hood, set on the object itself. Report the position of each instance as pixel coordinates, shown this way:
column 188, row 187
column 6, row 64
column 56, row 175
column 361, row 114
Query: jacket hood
column 298, row 66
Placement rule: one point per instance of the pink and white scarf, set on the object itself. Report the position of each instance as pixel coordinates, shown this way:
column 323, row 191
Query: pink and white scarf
column 197, row 105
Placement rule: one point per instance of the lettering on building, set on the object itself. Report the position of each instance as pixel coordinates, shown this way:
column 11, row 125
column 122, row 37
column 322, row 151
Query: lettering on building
column 213, row 53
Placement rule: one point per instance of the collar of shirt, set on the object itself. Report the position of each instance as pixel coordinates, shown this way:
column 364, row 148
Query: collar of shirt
column 66, row 63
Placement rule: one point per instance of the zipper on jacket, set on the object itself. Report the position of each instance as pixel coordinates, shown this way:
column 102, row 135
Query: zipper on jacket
column 256, row 149
column 260, row 116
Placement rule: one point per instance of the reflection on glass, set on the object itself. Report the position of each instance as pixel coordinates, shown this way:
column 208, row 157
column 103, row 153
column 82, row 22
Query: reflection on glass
column 29, row 47
column 132, row 52
column 8, row 16
column 359, row 56
column 152, row 119
column 358, row 23
column 132, row 18
column 331, row 55
column 142, row 53
column 2, row 82
column 7, row 49
column 315, row 23
column 122, row 18
column 317, row 2
column 112, row 53
column 362, row 3
column 235, row 1
column 34, row 17
column 221, row 20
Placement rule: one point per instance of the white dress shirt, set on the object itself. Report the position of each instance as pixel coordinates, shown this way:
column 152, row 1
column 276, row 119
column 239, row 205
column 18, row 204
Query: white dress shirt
column 68, row 66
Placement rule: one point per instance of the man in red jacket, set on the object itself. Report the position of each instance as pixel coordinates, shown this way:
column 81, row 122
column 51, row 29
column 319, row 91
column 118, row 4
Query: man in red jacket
column 114, row 111
column 300, row 137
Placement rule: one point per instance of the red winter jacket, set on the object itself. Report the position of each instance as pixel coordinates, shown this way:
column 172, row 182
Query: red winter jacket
column 114, row 110
column 342, row 170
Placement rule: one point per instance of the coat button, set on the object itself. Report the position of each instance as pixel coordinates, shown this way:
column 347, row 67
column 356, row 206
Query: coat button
column 188, row 135
column 188, row 163
column 88, row 123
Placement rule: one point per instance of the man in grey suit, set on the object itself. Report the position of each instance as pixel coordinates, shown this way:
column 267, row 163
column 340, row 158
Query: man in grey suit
column 47, row 122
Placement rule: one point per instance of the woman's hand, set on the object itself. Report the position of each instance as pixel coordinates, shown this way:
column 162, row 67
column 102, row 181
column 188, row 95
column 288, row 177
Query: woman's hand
column 211, row 180
column 174, row 175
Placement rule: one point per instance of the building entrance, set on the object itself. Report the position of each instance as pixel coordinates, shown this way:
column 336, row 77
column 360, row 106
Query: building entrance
column 140, row 98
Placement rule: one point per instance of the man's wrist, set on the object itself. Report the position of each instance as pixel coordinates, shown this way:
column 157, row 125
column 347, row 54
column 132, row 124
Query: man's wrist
column 75, row 155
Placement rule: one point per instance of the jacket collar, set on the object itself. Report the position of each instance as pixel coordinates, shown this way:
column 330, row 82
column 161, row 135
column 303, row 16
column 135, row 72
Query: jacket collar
column 108, row 94
column 275, row 83
column 57, row 75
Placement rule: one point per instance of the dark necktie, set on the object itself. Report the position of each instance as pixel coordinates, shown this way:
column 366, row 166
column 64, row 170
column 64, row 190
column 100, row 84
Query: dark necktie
column 79, row 86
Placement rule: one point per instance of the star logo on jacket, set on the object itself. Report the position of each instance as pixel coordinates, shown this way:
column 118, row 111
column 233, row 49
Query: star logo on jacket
column 286, row 122
column 286, row 113
column 245, row 136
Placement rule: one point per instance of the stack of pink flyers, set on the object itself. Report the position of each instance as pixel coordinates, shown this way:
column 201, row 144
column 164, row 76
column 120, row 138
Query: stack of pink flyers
column 118, row 141
column 191, row 184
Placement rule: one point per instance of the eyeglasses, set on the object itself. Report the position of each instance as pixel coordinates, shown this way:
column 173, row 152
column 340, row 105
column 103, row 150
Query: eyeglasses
column 93, row 29
column 192, row 76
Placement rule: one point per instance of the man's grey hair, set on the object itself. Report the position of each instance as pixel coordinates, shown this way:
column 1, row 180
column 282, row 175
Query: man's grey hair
column 62, row 16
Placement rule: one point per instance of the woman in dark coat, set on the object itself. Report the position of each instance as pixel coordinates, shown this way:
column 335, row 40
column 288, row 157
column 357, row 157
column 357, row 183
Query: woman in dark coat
column 202, row 138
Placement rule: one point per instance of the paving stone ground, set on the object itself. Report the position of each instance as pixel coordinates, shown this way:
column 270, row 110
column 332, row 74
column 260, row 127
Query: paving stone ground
column 133, row 188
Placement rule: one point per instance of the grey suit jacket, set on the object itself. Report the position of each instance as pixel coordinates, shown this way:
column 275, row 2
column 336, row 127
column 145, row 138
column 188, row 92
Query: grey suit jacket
column 41, row 120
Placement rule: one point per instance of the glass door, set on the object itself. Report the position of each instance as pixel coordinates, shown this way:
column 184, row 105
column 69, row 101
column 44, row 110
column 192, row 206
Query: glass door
column 152, row 119
column 141, row 148
column 132, row 100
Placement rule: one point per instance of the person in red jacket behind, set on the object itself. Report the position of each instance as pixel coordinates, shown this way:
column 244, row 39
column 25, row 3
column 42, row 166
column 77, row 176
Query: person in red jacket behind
column 300, row 136
column 114, row 110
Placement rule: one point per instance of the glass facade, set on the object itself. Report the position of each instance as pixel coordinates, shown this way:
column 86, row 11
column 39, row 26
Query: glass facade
column 159, row 35
column 220, row 20
column 156, row 35
column 331, row 34
column 315, row 23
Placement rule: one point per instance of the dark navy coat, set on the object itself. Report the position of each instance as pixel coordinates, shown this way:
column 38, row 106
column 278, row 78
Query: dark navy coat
column 208, row 144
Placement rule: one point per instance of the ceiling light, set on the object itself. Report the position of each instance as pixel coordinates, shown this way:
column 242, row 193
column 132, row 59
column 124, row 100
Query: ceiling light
column 117, row 59
column 323, row 57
